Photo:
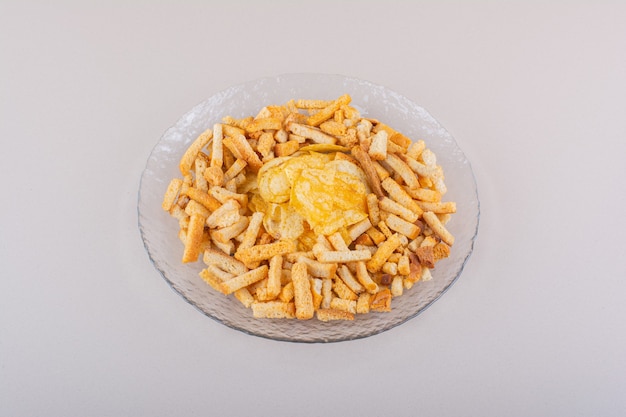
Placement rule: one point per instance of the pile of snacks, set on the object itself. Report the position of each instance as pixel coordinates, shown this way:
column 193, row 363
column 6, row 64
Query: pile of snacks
column 310, row 210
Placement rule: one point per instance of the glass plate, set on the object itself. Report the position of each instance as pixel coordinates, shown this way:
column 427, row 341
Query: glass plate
column 159, row 230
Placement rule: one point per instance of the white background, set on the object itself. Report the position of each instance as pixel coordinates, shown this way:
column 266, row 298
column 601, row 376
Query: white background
column 534, row 93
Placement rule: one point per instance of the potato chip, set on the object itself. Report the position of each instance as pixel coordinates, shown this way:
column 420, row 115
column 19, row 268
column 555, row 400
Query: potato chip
column 329, row 199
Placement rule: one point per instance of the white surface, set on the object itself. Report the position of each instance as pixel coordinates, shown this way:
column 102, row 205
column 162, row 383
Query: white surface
column 535, row 96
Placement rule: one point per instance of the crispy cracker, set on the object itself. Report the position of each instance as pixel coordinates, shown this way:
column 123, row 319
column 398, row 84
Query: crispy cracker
column 303, row 297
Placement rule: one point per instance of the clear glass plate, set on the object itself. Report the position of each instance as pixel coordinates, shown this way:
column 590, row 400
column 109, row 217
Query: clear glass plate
column 159, row 230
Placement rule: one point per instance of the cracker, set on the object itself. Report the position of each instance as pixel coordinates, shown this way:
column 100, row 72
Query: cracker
column 171, row 194
column 274, row 310
column 342, row 290
column 189, row 157
column 264, row 252
column 344, row 256
column 381, row 301
column 348, row 306
column 312, row 104
column 363, row 303
column 243, row 280
column 365, row 279
column 384, row 251
column 225, row 215
column 240, row 147
column 217, row 150
column 224, row 262
column 400, row 196
column 359, row 228
column 403, row 170
column 303, row 297
column 245, row 297
column 399, row 225
column 328, row 111
column 333, row 128
column 227, row 233
column 438, row 208
column 274, row 276
column 268, row 123
column 211, row 279
column 440, row 230
column 330, row 314
column 424, row 194
column 195, row 234
column 288, row 148
column 201, row 197
column 368, row 168
column 346, row 276
column 378, row 148
column 311, row 133
column 318, row 269
column 391, row 206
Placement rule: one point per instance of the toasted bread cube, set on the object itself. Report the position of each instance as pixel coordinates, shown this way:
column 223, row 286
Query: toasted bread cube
column 346, row 276
column 318, row 269
column 274, row 310
column 201, row 197
column 287, row 148
column 329, row 314
column 241, row 148
column 348, row 306
column 333, row 128
column 244, row 280
column 244, row 296
column 378, row 148
column 359, row 228
column 316, row 291
column 268, row 123
column 224, row 262
column 426, row 256
column 211, row 279
column 173, row 189
column 384, row 251
column 328, row 111
column 365, row 279
column 391, row 206
column 390, row 268
column 262, row 252
column 190, row 155
column 344, row 256
column 217, row 152
column 195, row 235
column 235, row 169
column 381, row 301
column 395, row 223
column 302, row 292
column 227, row 233
column 274, row 276
column 287, row 292
column 363, row 303
column 312, row 104
column 227, row 214
column 440, row 230
column 342, row 290
column 397, row 286
column 441, row 250
column 400, row 196
column 311, row 133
